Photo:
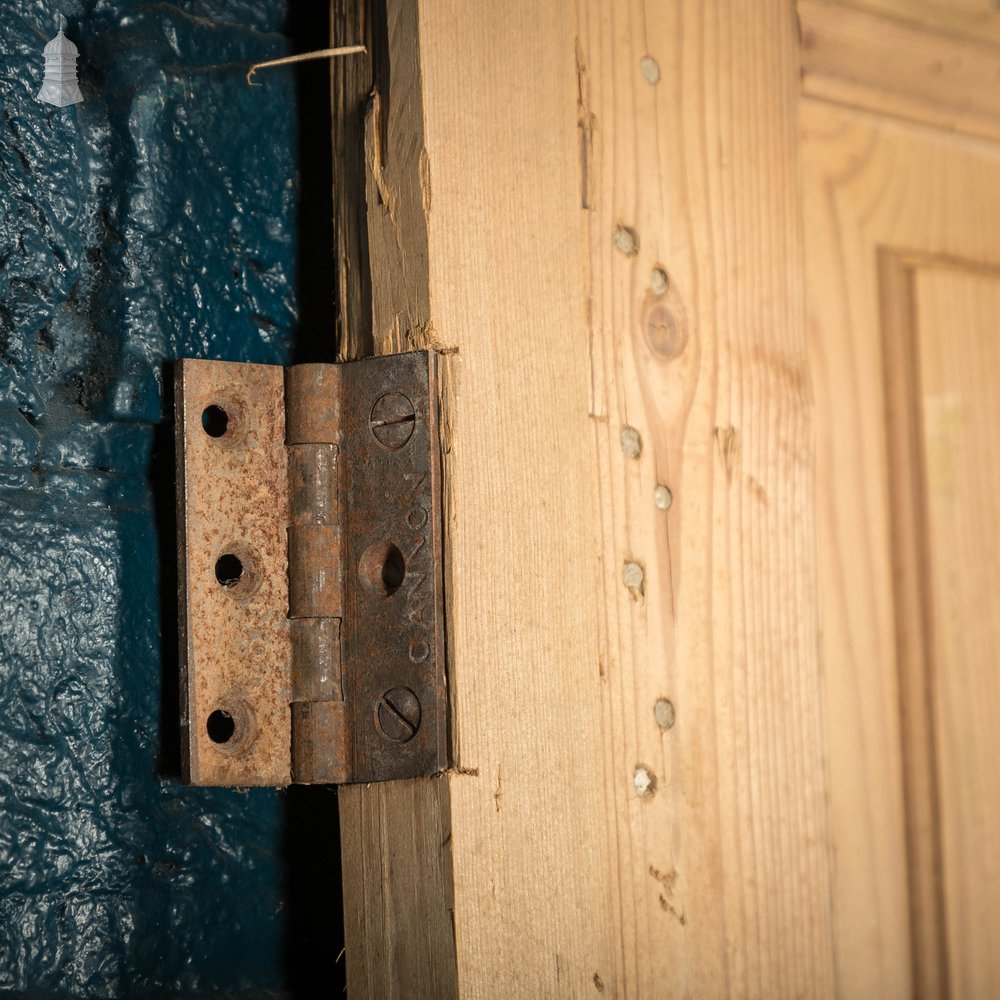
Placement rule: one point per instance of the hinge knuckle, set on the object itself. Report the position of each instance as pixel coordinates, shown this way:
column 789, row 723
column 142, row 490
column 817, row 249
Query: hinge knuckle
column 316, row 663
column 312, row 404
column 312, row 484
column 315, row 587
column 320, row 738
column 317, row 728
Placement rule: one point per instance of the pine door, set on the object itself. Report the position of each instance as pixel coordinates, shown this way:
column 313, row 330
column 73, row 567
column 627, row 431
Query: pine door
column 901, row 181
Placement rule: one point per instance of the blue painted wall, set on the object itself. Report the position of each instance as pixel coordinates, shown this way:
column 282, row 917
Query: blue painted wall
column 154, row 221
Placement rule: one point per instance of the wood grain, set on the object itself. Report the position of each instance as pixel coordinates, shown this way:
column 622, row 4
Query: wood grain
column 398, row 895
column 899, row 68
column 529, row 166
column 911, row 573
column 353, row 22
column 688, row 131
column 471, row 186
column 533, row 873
column 959, row 370
column 975, row 19
column 888, row 209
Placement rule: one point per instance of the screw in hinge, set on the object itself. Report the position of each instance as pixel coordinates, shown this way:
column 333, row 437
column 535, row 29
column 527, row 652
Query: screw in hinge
column 399, row 714
column 392, row 420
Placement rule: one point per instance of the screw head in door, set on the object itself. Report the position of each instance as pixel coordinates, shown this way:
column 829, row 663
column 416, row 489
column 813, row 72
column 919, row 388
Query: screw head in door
column 399, row 715
column 392, row 420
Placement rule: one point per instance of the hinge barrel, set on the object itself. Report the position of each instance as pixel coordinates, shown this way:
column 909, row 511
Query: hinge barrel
column 320, row 724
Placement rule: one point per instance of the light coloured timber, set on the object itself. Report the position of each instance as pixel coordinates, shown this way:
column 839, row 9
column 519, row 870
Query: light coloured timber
column 958, row 375
column 528, row 167
column 474, row 249
column 976, row 19
column 688, row 129
column 900, row 68
column 903, row 257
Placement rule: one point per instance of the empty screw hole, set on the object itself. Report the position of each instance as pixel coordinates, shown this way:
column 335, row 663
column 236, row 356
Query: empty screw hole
column 383, row 569
column 215, row 420
column 220, row 726
column 393, row 570
column 228, row 570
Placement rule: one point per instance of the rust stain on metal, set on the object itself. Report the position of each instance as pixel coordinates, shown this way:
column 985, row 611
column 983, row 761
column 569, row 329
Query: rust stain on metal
column 316, row 666
column 315, row 585
column 393, row 640
column 235, row 634
column 320, row 744
column 320, row 720
column 313, row 401
column 311, row 569
column 385, row 716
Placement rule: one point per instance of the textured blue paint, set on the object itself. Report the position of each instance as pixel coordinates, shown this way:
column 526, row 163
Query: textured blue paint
column 151, row 222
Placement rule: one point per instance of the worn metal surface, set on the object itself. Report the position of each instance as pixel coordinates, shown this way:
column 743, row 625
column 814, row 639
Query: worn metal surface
column 393, row 584
column 316, row 668
column 232, row 496
column 387, row 717
column 356, row 676
column 321, row 735
column 313, row 403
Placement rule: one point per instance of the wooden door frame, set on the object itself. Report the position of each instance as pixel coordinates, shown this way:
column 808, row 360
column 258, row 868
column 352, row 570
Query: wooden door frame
column 591, row 211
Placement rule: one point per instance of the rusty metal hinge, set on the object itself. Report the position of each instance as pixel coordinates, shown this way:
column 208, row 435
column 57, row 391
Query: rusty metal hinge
column 310, row 571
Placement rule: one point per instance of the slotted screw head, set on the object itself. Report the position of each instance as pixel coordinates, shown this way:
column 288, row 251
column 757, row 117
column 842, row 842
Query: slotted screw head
column 392, row 420
column 399, row 715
